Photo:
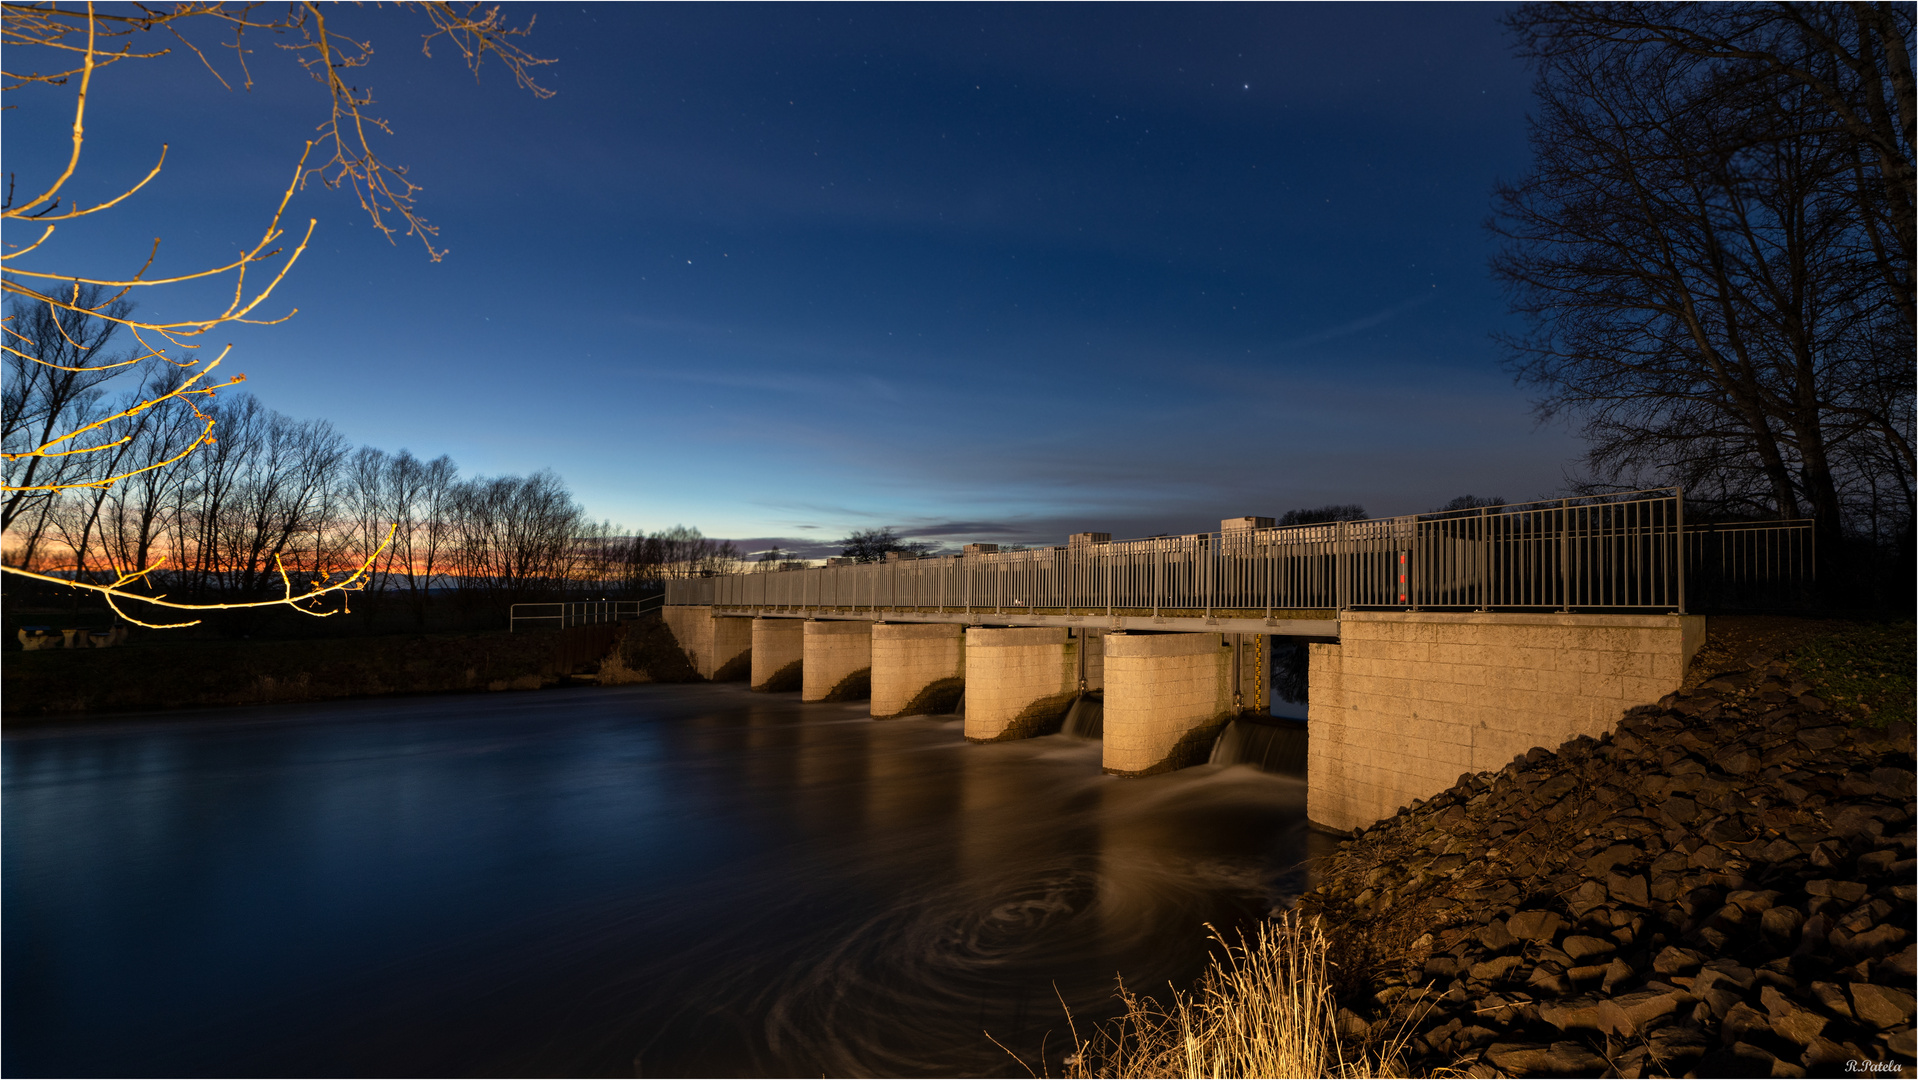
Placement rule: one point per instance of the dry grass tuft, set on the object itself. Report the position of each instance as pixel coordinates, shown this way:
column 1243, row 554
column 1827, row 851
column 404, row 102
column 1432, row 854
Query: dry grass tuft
column 1265, row 1008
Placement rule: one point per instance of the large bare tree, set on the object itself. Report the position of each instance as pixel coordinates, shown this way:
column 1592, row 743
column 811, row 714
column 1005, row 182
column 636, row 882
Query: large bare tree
column 1713, row 251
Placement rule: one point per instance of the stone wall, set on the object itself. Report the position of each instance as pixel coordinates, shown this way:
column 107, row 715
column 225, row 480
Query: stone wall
column 1019, row 681
column 1408, row 701
column 779, row 648
column 1167, row 696
column 718, row 647
column 917, row 668
column 838, row 661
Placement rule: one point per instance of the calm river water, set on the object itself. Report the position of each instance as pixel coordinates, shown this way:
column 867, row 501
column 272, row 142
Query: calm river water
column 658, row 880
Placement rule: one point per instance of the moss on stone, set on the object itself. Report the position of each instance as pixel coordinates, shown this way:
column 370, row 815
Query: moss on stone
column 942, row 696
column 1193, row 748
column 854, row 687
column 1043, row 717
column 790, row 677
column 738, row 669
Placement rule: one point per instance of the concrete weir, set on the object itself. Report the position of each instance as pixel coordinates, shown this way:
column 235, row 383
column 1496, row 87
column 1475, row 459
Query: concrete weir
column 719, row 647
column 917, row 668
column 1408, row 701
column 779, row 649
column 1167, row 696
column 1019, row 681
column 1401, row 705
column 837, row 661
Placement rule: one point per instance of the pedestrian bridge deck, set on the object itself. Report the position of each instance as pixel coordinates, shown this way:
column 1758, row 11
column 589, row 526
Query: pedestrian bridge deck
column 1628, row 553
column 1287, row 623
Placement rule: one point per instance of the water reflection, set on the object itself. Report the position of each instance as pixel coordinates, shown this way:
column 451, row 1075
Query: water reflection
column 669, row 880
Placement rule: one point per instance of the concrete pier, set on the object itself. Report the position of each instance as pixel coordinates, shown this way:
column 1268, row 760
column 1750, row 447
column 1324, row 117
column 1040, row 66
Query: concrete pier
column 1406, row 702
column 779, row 649
column 917, row 668
column 1167, row 696
column 1019, row 681
column 719, row 647
column 837, row 660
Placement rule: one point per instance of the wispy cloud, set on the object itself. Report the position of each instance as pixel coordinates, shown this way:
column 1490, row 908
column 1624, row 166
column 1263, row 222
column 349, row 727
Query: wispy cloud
column 1359, row 326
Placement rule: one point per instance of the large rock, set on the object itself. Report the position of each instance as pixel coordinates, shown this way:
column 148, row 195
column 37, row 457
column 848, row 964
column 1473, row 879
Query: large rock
column 1881, row 1006
column 1790, row 1021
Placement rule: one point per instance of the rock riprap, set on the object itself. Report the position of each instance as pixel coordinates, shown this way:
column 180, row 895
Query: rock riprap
column 1722, row 886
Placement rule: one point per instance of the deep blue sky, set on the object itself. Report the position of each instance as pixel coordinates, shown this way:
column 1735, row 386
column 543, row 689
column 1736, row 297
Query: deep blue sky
column 992, row 273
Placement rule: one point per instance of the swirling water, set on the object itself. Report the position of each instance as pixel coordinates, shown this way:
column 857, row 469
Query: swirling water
column 642, row 880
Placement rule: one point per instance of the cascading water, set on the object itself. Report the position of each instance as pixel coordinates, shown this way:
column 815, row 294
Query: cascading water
column 1272, row 745
column 1087, row 717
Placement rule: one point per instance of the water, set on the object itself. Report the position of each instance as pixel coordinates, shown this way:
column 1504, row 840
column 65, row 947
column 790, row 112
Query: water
column 651, row 880
column 1087, row 718
column 1272, row 745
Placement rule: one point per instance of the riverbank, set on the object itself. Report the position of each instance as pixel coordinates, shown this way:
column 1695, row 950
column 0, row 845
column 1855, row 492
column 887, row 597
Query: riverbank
column 157, row 674
column 1722, row 886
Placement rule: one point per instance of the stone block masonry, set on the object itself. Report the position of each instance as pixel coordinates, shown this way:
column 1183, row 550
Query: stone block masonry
column 1408, row 701
column 1167, row 696
column 779, row 647
column 837, row 661
column 918, row 669
column 718, row 647
column 1093, row 641
column 1019, row 681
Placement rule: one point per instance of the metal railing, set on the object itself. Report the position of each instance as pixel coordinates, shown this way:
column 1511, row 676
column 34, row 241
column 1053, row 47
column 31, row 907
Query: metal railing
column 580, row 613
column 1621, row 552
column 1751, row 565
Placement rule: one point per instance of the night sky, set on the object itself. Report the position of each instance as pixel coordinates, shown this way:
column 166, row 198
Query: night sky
column 993, row 273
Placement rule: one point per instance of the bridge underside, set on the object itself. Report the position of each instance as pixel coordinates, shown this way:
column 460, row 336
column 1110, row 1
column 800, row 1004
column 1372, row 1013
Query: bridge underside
column 1317, row 624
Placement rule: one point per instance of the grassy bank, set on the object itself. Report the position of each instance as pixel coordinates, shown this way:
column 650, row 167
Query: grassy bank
column 1263, row 1008
column 1862, row 669
column 156, row 672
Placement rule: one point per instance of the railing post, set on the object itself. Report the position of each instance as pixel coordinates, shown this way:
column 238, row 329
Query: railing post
column 1158, row 574
column 1265, row 557
column 1338, row 566
column 1211, row 570
column 1485, row 555
column 1412, row 567
column 1678, row 507
column 1564, row 555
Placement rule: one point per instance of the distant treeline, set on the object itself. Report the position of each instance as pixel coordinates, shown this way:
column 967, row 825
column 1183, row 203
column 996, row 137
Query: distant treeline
column 273, row 494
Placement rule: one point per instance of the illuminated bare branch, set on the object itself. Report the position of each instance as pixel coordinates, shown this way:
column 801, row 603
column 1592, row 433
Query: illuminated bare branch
column 78, row 312
column 350, row 581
